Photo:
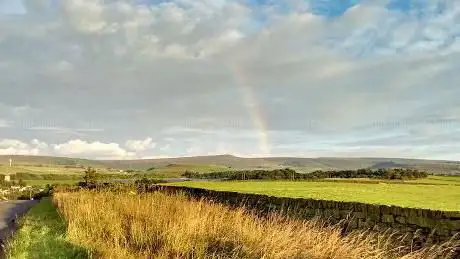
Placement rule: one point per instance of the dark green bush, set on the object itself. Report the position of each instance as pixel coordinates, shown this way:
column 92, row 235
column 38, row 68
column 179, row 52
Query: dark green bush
column 287, row 173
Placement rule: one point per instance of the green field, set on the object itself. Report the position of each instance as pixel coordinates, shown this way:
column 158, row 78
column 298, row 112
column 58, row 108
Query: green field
column 455, row 180
column 441, row 197
column 45, row 169
column 163, row 171
column 432, row 180
column 60, row 174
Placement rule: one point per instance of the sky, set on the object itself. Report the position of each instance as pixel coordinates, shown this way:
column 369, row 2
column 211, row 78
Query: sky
column 130, row 79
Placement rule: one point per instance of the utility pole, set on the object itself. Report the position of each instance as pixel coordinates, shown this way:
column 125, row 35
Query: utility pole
column 7, row 176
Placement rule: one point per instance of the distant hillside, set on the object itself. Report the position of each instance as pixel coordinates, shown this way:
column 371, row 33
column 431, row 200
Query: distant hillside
column 229, row 161
column 49, row 160
column 389, row 164
column 336, row 163
column 222, row 160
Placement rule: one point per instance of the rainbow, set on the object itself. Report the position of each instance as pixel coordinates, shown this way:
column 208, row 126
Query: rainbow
column 254, row 108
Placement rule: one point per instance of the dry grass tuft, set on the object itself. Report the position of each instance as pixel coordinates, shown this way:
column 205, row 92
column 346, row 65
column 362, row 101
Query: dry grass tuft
column 156, row 225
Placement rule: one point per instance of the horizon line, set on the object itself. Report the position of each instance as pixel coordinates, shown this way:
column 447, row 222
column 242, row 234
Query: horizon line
column 258, row 156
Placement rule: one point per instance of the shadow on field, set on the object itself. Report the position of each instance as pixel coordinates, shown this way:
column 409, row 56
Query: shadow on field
column 42, row 235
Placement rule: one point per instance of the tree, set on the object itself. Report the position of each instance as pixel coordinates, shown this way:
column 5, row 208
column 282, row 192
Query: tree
column 90, row 176
column 21, row 183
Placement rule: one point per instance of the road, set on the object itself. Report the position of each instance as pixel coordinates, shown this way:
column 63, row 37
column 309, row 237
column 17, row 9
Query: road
column 9, row 212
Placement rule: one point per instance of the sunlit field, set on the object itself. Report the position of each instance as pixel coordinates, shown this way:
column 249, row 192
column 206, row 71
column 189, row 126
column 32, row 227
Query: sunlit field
column 35, row 169
column 453, row 180
column 441, row 197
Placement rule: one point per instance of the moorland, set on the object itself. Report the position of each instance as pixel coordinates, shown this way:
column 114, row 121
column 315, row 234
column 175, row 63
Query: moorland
column 76, row 221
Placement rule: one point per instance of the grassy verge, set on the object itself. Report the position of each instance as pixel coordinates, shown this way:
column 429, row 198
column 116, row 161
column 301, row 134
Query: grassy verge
column 155, row 225
column 441, row 197
column 42, row 235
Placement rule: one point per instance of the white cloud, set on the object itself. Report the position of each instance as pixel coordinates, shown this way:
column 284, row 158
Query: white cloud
column 17, row 147
column 75, row 148
column 194, row 66
column 140, row 145
column 80, row 148
column 13, row 143
column 166, row 147
column 4, row 124
column 194, row 151
column 39, row 144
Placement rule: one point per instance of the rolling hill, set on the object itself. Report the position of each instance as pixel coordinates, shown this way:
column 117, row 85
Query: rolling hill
column 233, row 162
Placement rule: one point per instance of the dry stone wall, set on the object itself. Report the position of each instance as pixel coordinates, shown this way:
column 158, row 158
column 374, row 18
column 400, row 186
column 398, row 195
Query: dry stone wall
column 418, row 225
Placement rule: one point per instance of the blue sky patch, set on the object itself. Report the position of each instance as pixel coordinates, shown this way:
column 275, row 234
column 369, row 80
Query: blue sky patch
column 12, row 7
column 332, row 8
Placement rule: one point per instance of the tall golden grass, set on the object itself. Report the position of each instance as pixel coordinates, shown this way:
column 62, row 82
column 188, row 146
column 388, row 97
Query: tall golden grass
column 156, row 225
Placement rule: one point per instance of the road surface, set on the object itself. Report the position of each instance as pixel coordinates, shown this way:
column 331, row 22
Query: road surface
column 10, row 211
